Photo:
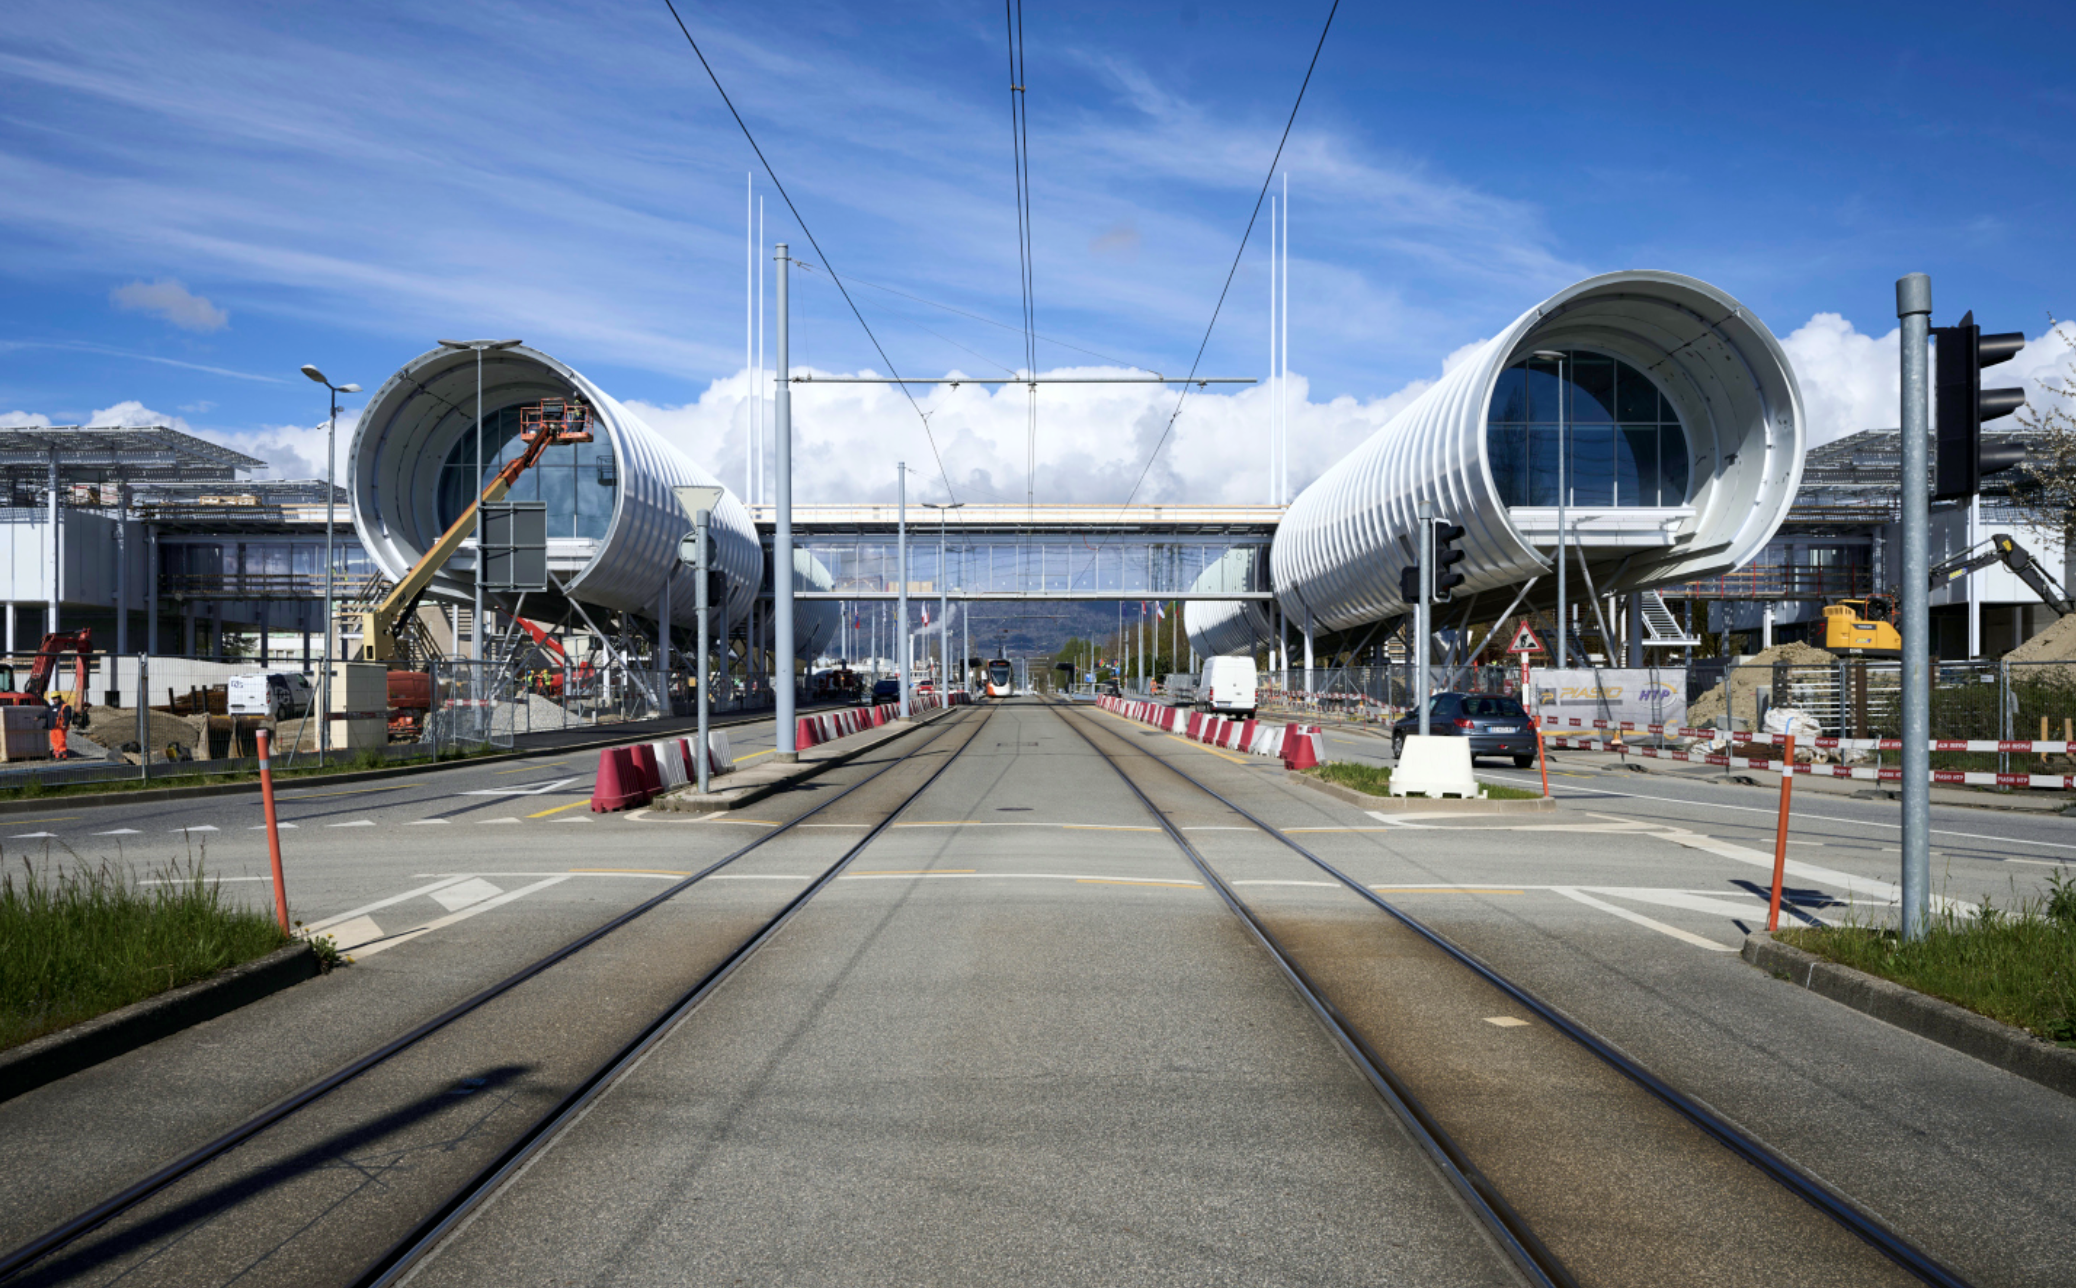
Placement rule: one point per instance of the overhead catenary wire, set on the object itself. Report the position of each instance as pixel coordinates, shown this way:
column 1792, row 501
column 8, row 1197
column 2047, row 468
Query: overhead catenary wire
column 808, row 233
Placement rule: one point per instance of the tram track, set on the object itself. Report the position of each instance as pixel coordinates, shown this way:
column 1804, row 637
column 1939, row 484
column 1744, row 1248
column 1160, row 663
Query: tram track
column 1313, row 956
column 48, row 1257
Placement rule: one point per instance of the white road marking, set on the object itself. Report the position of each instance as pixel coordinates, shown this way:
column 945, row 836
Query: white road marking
column 452, row 917
column 536, row 789
column 1506, row 1021
column 203, row 828
column 1716, row 904
column 500, row 820
column 1815, row 818
column 357, row 930
column 261, row 827
column 462, row 894
column 29, row 836
column 379, row 904
column 121, row 831
column 575, row 819
column 429, row 822
column 359, row 822
column 1641, row 920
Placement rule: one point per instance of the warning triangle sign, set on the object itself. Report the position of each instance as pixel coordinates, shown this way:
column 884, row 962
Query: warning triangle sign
column 1525, row 640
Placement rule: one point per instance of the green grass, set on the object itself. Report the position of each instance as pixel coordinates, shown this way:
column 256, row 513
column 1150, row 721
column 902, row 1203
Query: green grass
column 169, row 775
column 1376, row 780
column 75, row 944
column 2015, row 964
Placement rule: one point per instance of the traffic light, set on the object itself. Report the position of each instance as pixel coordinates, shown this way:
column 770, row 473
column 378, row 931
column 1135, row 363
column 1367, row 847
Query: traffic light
column 1409, row 584
column 1446, row 557
column 1964, row 404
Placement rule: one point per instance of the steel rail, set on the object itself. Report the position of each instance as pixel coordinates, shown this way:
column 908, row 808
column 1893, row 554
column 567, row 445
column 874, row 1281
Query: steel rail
column 1809, row 1189
column 1508, row 1228
column 403, row 1255
column 61, row 1236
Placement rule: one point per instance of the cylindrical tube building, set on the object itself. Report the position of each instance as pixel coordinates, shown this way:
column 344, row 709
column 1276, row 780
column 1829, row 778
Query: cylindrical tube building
column 614, row 524
column 1681, row 431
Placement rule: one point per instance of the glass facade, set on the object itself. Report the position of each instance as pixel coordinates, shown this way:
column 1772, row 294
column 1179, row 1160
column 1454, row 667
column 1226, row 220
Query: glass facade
column 577, row 481
column 1057, row 563
column 260, row 566
column 1624, row 442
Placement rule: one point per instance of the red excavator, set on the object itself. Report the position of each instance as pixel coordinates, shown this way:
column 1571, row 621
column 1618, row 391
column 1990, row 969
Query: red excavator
column 52, row 651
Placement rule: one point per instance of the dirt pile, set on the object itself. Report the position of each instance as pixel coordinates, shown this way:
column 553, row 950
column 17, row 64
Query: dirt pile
column 1748, row 678
column 114, row 726
column 2055, row 644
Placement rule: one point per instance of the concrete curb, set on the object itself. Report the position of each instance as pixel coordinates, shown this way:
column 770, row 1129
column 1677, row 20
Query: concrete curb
column 71, row 800
column 2011, row 1049
column 684, row 800
column 1423, row 804
column 104, row 1037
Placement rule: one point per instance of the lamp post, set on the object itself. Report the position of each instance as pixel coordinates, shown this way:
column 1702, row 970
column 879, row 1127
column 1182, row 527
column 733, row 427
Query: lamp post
column 1563, row 626
column 479, row 346
column 331, row 430
column 943, row 598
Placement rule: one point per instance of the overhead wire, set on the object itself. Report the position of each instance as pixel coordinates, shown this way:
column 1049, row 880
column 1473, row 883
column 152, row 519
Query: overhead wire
column 807, row 232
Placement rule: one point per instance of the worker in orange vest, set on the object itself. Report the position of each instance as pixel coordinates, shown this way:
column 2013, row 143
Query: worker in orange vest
column 60, row 723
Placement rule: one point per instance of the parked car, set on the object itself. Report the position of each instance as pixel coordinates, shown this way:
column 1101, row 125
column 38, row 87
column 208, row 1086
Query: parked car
column 1495, row 725
column 888, row 690
column 1226, row 686
column 277, row 694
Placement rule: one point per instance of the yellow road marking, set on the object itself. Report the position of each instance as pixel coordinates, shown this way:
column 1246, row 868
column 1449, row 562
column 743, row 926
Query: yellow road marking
column 67, row 819
column 753, row 755
column 1172, row 885
column 654, row 872
column 559, row 808
column 915, row 872
column 527, row 769
column 354, row 791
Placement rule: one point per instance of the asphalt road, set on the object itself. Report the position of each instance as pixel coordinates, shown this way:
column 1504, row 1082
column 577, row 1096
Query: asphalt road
column 1020, row 1042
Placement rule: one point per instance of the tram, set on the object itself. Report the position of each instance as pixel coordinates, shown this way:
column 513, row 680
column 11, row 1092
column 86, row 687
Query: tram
column 1001, row 679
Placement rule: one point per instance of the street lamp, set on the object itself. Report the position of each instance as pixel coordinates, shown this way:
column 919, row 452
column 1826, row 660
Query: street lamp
column 943, row 596
column 331, row 430
column 1563, row 626
column 479, row 346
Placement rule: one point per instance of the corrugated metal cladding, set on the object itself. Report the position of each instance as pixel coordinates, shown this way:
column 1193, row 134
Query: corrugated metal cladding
column 418, row 415
column 1226, row 627
column 1340, row 547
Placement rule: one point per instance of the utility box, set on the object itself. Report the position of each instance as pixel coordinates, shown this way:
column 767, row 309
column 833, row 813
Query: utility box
column 515, row 546
column 360, row 705
column 25, row 733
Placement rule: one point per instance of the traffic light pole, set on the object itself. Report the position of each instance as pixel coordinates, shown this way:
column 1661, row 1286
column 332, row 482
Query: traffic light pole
column 1914, row 310
column 700, row 605
column 1421, row 609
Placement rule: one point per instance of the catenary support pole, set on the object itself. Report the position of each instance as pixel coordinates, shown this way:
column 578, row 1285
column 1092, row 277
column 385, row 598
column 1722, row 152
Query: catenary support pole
column 1421, row 634
column 782, row 530
column 699, row 673
column 57, row 548
column 901, row 670
column 1914, row 311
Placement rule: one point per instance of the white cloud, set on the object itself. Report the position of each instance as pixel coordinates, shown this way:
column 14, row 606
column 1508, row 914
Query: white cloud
column 290, row 451
column 22, row 420
column 1852, row 381
column 170, row 300
column 1093, row 440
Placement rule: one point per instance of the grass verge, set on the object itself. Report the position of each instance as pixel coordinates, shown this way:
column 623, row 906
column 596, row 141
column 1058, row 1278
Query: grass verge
column 79, row 943
column 1376, row 780
column 2015, row 964
column 169, row 775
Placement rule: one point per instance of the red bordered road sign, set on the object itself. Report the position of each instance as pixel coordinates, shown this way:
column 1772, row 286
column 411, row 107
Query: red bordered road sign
column 1525, row 640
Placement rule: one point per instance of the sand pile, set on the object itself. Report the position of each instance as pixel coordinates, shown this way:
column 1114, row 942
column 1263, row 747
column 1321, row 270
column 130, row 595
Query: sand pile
column 2055, row 644
column 1748, row 678
column 114, row 726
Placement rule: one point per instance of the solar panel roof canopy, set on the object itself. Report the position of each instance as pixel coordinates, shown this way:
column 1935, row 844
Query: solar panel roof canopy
column 127, row 447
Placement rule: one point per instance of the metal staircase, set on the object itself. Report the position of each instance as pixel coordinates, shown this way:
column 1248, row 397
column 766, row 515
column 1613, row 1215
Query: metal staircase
column 1661, row 628
column 415, row 644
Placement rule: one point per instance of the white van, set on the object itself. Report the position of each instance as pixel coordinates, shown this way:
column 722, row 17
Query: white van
column 277, row 694
column 1226, row 685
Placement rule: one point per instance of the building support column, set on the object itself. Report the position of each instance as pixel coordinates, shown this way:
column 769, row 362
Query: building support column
column 57, row 549
column 1635, row 628
column 151, row 588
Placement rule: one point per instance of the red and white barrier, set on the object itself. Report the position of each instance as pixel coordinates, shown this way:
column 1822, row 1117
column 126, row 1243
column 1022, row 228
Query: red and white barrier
column 2014, row 746
column 1868, row 773
column 1254, row 737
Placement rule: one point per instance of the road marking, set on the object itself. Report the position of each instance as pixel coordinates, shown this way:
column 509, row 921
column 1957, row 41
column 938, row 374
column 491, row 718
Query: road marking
column 1173, row 885
column 484, row 822
column 1327, row 885
column 261, row 827
column 29, row 836
column 359, row 822
column 121, row 831
column 429, row 822
column 576, row 819
column 1216, row 751
column 69, row 818
column 392, row 941
column 353, row 791
column 1445, row 890
column 203, row 828
column 359, row 930
column 1506, row 1021
column 916, row 872
column 380, row 904
column 531, row 769
column 536, row 789
column 559, row 808
column 1818, row 818
column 1641, row 920
column 460, row 895
column 645, row 872
column 753, row 755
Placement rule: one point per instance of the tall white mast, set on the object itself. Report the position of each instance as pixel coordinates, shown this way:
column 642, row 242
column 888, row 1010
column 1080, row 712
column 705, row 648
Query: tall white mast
column 757, row 495
column 1283, row 357
column 1272, row 349
column 749, row 332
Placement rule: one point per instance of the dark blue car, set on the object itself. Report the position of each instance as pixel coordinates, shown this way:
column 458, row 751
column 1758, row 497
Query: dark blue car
column 1496, row 726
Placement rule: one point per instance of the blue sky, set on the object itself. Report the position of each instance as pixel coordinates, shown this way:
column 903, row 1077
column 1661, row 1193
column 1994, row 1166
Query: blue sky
column 197, row 198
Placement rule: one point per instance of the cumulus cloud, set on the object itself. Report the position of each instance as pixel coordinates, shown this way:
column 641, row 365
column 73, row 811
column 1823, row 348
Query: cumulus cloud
column 1093, row 441
column 290, row 451
column 1851, row 381
column 23, row 420
column 168, row 299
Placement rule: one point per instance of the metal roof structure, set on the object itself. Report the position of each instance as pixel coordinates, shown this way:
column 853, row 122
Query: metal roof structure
column 125, row 448
column 1012, row 517
column 1855, row 481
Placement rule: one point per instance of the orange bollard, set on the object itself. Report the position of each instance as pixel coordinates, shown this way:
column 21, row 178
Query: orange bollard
column 1541, row 761
column 1780, row 835
column 273, row 830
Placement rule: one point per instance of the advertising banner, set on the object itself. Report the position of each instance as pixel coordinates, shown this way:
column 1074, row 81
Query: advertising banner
column 1650, row 696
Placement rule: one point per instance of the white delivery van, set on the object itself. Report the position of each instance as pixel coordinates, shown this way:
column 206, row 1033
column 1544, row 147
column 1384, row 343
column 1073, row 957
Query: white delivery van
column 277, row 694
column 1226, row 685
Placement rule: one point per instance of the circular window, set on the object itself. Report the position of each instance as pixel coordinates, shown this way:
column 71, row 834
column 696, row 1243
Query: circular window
column 1621, row 439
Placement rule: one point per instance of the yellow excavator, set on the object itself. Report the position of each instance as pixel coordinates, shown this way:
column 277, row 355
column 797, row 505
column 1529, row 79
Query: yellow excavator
column 555, row 422
column 1867, row 627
